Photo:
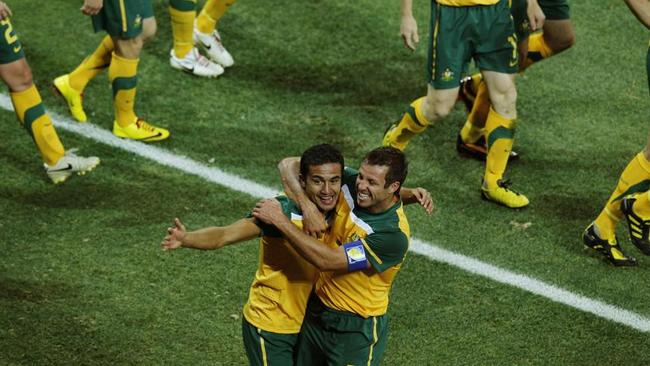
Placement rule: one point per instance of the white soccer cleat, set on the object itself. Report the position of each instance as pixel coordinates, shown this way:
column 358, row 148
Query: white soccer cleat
column 196, row 64
column 213, row 47
column 68, row 164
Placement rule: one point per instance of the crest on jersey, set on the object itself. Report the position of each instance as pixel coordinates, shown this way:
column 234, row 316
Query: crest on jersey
column 447, row 75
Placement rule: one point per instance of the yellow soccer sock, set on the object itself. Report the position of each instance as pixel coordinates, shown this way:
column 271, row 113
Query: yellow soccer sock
column 634, row 179
column 642, row 205
column 182, row 13
column 500, row 138
column 92, row 65
column 475, row 125
column 538, row 50
column 212, row 11
column 412, row 123
column 122, row 75
column 31, row 114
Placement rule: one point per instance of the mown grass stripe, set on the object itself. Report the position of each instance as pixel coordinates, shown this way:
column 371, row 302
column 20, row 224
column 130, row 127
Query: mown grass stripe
column 418, row 246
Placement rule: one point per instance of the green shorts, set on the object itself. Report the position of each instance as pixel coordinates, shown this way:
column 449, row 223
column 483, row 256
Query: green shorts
column 123, row 18
column 330, row 337
column 10, row 48
column 555, row 9
column 266, row 348
column 460, row 34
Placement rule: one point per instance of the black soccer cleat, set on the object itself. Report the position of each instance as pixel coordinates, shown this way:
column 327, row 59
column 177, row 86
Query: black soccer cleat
column 611, row 251
column 637, row 227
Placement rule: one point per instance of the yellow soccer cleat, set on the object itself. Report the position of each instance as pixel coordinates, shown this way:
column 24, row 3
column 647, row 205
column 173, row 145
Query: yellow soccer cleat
column 503, row 195
column 391, row 134
column 72, row 97
column 141, row 131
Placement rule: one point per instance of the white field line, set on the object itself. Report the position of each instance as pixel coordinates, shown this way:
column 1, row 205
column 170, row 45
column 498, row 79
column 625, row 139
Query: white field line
column 418, row 246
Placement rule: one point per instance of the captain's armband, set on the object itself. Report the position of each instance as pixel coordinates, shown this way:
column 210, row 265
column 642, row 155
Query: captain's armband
column 356, row 255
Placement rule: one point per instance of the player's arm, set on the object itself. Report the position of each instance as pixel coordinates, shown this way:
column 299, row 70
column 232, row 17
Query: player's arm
column 640, row 9
column 535, row 14
column 5, row 12
column 417, row 195
column 210, row 237
column 323, row 257
column 92, row 7
column 313, row 220
column 408, row 26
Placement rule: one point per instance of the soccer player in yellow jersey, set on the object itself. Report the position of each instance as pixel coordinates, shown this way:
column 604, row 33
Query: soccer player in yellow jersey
column 462, row 30
column 16, row 73
column 190, row 31
column 345, row 323
column 129, row 25
column 283, row 281
column 631, row 198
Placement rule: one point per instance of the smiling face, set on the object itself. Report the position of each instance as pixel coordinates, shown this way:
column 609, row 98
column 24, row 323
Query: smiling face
column 372, row 192
column 322, row 185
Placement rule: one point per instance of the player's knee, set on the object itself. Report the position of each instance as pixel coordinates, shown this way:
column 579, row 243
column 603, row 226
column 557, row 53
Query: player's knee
column 129, row 48
column 505, row 103
column 19, row 77
column 435, row 110
column 563, row 42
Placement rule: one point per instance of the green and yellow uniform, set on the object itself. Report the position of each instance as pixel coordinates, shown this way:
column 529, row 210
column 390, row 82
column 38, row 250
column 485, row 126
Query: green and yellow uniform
column 346, row 319
column 122, row 18
column 462, row 30
column 278, row 296
column 10, row 48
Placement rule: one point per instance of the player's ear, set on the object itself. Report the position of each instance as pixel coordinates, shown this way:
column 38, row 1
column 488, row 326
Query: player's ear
column 394, row 187
column 301, row 178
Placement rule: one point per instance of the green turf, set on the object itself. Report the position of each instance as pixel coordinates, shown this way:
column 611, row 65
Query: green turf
column 82, row 279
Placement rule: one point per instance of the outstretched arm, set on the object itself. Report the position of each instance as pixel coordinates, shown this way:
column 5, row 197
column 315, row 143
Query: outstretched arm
column 210, row 237
column 323, row 257
column 313, row 220
column 641, row 9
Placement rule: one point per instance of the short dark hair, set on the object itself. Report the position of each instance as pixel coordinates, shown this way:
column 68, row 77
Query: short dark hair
column 319, row 155
column 394, row 159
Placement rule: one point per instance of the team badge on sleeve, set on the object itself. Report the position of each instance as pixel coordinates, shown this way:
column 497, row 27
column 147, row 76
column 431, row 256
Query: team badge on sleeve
column 356, row 256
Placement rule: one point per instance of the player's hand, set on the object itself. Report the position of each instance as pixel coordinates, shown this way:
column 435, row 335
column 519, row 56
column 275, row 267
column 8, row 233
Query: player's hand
column 409, row 31
column 424, row 199
column 536, row 16
column 175, row 236
column 92, row 7
column 313, row 221
column 5, row 12
column 268, row 211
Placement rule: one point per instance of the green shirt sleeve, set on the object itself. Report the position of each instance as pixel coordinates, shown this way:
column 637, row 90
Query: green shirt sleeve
column 386, row 249
column 288, row 206
column 350, row 179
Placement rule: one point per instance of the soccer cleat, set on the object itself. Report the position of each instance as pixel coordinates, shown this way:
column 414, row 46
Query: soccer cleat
column 637, row 227
column 212, row 45
column 196, row 64
column 141, row 131
column 72, row 97
column 609, row 249
column 68, row 164
column 466, row 93
column 478, row 149
column 391, row 140
column 503, row 195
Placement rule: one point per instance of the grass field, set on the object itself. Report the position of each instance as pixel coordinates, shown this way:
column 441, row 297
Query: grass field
column 82, row 278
